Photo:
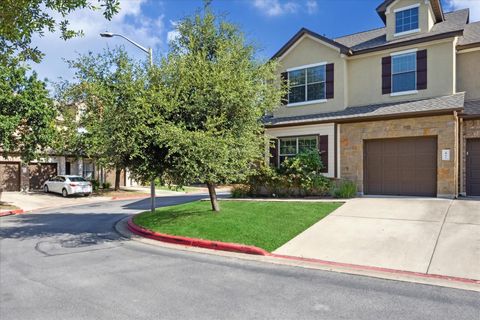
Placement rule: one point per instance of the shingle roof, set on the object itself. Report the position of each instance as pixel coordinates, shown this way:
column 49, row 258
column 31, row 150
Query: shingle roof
column 471, row 35
column 375, row 39
column 472, row 108
column 431, row 105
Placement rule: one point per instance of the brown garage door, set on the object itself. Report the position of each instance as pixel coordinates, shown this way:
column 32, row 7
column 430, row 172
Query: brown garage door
column 10, row 176
column 473, row 167
column 406, row 166
column 40, row 172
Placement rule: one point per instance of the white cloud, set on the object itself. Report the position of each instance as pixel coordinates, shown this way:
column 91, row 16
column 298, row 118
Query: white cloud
column 130, row 22
column 312, row 6
column 173, row 33
column 276, row 7
column 473, row 5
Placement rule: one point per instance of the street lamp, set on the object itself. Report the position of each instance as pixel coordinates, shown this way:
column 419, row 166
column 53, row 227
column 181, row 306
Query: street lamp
column 150, row 56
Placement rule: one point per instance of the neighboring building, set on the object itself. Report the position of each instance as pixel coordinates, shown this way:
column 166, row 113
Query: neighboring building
column 16, row 175
column 396, row 109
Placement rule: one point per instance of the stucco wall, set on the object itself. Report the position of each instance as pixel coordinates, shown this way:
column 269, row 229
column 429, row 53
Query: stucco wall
column 310, row 51
column 444, row 127
column 425, row 16
column 365, row 75
column 470, row 130
column 468, row 74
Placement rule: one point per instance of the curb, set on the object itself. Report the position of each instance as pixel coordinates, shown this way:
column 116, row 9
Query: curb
column 193, row 242
column 252, row 250
column 11, row 212
column 378, row 269
column 130, row 197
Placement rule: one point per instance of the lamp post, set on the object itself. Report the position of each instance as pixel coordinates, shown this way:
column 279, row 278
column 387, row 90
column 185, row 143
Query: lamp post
column 150, row 57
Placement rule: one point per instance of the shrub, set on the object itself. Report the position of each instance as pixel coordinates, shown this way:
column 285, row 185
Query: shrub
column 297, row 176
column 95, row 185
column 240, row 191
column 344, row 189
column 106, row 185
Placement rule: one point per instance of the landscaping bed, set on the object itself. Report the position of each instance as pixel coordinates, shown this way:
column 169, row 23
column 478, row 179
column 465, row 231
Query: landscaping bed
column 264, row 224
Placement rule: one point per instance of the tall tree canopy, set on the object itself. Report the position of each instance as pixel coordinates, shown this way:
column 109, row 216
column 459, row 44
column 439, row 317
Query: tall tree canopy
column 109, row 92
column 27, row 114
column 21, row 19
column 215, row 93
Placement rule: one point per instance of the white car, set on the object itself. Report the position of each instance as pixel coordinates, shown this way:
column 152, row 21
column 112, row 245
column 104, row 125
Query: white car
column 68, row 185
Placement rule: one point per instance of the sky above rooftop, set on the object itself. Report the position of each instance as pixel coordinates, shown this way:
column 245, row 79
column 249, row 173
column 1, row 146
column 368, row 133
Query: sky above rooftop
column 267, row 23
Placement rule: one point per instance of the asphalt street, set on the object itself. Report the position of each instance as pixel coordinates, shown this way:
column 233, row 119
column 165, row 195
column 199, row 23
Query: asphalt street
column 71, row 264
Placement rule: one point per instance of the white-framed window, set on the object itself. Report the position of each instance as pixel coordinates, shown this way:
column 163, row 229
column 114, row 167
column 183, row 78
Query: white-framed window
column 307, row 84
column 404, row 72
column 406, row 20
column 291, row 146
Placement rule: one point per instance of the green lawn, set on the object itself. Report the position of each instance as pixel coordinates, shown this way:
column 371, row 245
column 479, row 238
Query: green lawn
column 266, row 225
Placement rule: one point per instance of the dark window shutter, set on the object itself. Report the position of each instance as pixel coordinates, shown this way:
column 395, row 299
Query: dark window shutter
column 284, row 78
column 422, row 70
column 274, row 152
column 386, row 75
column 323, row 149
column 329, row 81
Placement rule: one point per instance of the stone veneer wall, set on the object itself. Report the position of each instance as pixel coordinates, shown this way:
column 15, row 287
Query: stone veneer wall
column 444, row 127
column 471, row 129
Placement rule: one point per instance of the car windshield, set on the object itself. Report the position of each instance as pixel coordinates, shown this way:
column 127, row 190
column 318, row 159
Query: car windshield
column 76, row 179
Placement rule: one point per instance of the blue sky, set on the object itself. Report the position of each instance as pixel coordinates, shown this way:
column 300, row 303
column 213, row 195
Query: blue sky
column 268, row 23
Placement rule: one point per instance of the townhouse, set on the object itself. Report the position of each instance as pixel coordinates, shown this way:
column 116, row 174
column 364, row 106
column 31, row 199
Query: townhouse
column 395, row 109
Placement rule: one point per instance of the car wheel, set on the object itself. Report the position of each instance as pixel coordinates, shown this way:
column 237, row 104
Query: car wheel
column 45, row 188
column 64, row 193
column 86, row 194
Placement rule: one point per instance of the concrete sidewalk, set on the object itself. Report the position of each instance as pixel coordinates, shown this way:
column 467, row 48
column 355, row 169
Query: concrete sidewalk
column 433, row 236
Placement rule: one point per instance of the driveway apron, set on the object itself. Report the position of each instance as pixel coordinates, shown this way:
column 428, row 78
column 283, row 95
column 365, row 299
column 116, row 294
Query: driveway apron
column 426, row 235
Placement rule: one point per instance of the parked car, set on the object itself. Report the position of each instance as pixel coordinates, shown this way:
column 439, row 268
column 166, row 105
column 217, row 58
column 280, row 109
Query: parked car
column 68, row 185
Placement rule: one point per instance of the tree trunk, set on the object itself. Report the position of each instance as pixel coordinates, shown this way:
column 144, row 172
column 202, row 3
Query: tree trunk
column 117, row 178
column 213, row 197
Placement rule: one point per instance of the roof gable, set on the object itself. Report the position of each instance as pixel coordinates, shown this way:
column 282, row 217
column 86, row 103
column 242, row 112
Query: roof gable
column 304, row 31
column 436, row 6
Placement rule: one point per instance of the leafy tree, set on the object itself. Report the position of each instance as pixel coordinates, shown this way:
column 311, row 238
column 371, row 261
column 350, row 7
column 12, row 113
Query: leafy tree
column 27, row 114
column 215, row 93
column 110, row 90
column 21, row 19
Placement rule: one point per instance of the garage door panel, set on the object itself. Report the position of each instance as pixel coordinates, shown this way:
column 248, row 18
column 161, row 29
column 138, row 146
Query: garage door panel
column 473, row 167
column 40, row 172
column 408, row 166
column 10, row 176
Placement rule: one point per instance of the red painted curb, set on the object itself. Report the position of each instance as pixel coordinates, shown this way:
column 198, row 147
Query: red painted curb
column 379, row 269
column 208, row 244
column 11, row 212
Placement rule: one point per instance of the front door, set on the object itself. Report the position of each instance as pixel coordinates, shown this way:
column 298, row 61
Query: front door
column 473, row 167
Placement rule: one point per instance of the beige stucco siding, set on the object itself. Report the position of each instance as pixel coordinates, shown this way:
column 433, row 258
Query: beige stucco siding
column 309, row 51
column 425, row 16
column 468, row 74
column 352, row 136
column 365, row 75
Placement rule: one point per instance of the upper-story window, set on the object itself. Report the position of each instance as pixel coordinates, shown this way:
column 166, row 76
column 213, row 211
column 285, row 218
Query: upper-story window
column 406, row 20
column 307, row 84
column 404, row 72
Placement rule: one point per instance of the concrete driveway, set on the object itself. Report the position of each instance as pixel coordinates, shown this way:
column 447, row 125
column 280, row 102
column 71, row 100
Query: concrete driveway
column 433, row 236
